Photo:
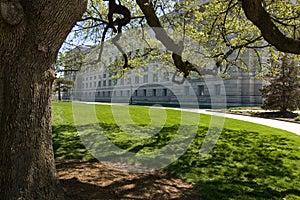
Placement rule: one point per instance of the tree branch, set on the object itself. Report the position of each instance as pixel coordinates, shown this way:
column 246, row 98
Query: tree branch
column 176, row 48
column 259, row 17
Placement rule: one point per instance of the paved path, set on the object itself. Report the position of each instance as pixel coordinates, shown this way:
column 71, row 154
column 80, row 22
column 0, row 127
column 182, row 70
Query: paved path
column 288, row 126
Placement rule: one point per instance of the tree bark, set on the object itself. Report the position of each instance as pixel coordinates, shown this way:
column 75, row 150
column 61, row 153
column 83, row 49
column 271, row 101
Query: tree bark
column 31, row 34
column 259, row 17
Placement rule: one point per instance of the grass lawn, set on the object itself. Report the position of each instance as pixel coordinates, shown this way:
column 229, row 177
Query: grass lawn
column 249, row 161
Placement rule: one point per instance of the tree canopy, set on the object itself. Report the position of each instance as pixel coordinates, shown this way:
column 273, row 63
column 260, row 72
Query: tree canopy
column 230, row 30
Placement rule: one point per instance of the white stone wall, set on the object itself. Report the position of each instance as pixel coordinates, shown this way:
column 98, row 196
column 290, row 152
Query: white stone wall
column 95, row 83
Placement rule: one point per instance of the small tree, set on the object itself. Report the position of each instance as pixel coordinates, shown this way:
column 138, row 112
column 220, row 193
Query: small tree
column 283, row 91
column 62, row 85
column 67, row 65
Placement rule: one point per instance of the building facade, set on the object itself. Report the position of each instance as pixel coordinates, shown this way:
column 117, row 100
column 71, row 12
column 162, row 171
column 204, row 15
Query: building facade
column 156, row 84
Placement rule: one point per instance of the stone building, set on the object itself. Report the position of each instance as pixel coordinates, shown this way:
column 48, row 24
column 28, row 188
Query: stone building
column 156, row 84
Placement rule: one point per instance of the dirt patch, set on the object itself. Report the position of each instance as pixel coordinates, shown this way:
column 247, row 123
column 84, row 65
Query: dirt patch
column 90, row 180
column 283, row 116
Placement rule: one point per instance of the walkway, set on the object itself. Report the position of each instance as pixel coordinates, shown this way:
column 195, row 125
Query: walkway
column 287, row 126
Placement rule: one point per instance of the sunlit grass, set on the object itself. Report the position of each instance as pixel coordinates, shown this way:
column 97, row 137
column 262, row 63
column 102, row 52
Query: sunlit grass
column 249, row 161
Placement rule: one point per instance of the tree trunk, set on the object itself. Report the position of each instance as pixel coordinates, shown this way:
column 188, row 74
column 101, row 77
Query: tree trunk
column 31, row 34
column 59, row 92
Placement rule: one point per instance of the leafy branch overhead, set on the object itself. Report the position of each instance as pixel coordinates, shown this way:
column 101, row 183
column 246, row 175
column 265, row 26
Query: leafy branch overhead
column 229, row 30
column 256, row 13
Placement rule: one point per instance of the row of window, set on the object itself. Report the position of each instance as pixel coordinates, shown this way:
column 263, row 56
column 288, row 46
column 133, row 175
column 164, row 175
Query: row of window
column 155, row 92
column 94, row 77
column 105, row 83
column 201, row 91
column 143, row 92
column 100, row 84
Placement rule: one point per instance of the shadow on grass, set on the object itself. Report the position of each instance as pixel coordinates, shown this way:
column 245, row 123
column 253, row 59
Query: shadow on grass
column 243, row 164
column 67, row 143
column 156, row 147
column 70, row 142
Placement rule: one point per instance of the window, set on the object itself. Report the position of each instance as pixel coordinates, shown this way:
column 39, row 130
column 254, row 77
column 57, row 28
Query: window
column 87, row 85
column 135, row 93
column 154, row 92
column 145, row 79
column 145, row 92
column 109, row 82
column 91, row 78
column 217, row 89
column 95, row 77
column 220, row 69
column 121, row 93
column 95, row 84
column 166, row 76
column 104, row 83
column 91, row 84
column 200, row 90
column 128, row 93
column 137, row 79
column 155, row 77
column 99, row 83
column 186, row 90
column 129, row 81
column 104, row 75
column 165, row 92
column 122, row 81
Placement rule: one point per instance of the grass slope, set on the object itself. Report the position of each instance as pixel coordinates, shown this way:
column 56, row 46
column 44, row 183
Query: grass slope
column 249, row 161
